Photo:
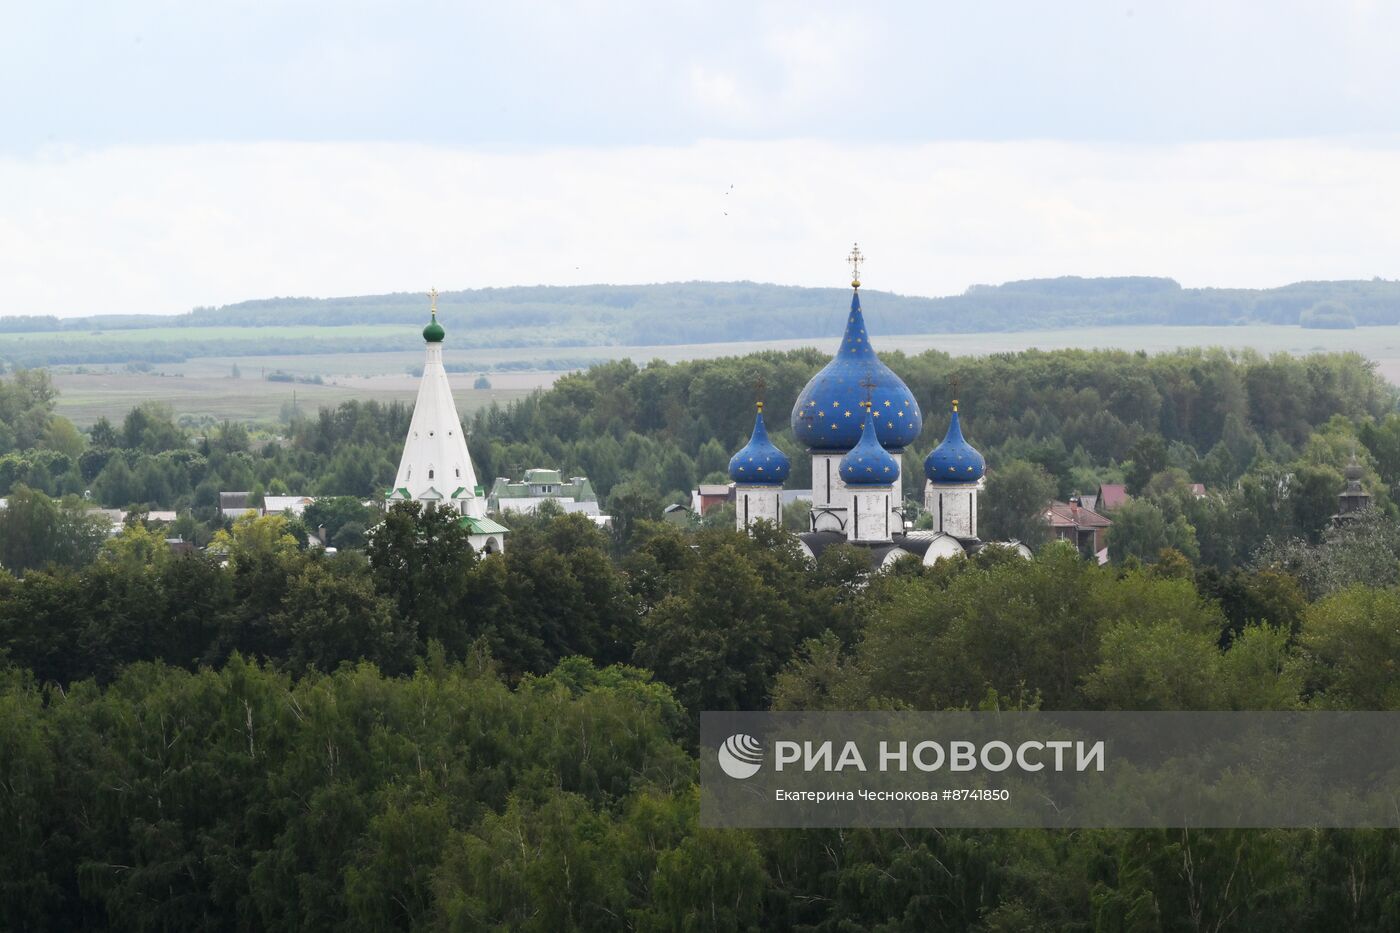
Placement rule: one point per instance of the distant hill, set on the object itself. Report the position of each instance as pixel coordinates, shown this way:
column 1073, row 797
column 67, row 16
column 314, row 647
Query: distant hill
column 710, row 312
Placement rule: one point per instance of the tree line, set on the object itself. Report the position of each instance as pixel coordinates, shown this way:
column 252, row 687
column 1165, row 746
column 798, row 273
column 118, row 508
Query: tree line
column 1269, row 437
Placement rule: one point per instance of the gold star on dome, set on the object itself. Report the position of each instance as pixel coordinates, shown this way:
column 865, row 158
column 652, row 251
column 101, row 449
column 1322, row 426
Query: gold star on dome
column 887, row 403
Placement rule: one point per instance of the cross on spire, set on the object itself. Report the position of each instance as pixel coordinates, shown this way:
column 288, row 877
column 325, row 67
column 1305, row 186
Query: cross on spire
column 953, row 384
column 759, row 384
column 868, row 385
column 855, row 259
column 432, row 296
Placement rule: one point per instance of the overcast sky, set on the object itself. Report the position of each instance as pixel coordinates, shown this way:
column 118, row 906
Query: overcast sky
column 160, row 155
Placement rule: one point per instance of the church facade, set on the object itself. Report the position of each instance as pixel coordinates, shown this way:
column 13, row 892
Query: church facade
column 858, row 420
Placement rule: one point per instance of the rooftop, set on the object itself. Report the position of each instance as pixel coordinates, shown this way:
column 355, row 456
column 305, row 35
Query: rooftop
column 1073, row 515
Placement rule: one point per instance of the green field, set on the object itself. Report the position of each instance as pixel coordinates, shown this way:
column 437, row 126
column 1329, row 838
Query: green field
column 84, row 398
column 179, row 335
column 164, row 346
column 1379, row 343
column 200, row 387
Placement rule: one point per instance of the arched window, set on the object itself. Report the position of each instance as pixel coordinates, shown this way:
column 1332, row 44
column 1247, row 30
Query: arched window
column 430, row 474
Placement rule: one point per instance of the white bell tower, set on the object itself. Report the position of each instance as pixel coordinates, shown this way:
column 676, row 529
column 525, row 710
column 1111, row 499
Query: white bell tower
column 436, row 468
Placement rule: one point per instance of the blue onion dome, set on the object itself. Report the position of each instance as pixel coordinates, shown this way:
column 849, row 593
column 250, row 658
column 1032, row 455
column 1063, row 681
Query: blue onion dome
column 868, row 463
column 954, row 460
column 760, row 462
column 827, row 413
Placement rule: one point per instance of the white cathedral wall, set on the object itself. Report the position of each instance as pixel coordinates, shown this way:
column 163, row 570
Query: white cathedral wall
column 828, row 490
column 953, row 507
column 487, row 544
column 757, row 503
column 871, row 518
column 830, row 499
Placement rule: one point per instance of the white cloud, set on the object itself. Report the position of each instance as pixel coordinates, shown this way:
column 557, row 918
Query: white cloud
column 163, row 228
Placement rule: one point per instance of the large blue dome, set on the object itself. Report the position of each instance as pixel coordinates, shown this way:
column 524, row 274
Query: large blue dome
column 827, row 413
column 954, row 460
column 868, row 463
column 760, row 462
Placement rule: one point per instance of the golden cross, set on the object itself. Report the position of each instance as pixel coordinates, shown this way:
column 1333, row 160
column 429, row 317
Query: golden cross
column 855, row 259
column 432, row 295
column 759, row 384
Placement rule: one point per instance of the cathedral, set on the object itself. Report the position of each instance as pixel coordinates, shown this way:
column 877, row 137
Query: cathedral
column 857, row 419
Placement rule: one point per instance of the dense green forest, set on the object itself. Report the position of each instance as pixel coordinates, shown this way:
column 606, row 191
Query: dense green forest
column 699, row 312
column 407, row 735
column 418, row 738
column 1269, row 438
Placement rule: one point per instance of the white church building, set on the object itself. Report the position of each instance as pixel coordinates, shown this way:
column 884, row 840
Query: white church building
column 436, row 468
column 857, row 419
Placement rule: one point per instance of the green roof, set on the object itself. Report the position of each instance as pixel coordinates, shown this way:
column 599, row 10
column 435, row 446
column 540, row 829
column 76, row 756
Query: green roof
column 483, row 526
column 579, row 488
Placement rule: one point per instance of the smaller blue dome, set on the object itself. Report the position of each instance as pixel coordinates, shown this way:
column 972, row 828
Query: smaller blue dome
column 954, row 460
column 867, row 463
column 760, row 462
